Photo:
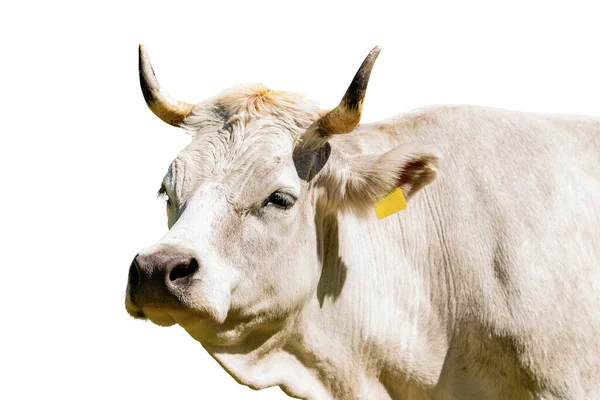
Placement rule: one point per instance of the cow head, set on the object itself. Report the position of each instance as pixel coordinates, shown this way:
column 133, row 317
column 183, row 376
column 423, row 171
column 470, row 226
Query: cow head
column 245, row 200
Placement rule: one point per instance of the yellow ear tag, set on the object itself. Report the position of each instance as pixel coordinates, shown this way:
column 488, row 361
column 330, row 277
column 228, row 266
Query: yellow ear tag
column 390, row 204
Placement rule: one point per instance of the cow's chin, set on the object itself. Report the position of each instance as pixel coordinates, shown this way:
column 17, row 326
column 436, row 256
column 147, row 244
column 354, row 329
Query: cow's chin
column 168, row 316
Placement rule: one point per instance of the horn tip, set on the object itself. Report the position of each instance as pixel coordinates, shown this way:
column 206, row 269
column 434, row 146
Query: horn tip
column 142, row 51
column 144, row 63
column 375, row 51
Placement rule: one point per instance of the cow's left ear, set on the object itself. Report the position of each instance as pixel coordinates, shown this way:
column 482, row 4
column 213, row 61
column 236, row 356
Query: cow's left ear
column 363, row 180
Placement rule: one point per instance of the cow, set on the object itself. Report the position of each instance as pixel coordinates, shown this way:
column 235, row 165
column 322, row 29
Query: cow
column 486, row 286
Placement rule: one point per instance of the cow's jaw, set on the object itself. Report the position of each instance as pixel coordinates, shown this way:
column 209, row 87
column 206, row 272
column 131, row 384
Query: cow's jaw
column 260, row 355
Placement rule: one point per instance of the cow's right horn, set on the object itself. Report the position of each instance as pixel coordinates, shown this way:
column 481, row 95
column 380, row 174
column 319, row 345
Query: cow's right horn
column 164, row 106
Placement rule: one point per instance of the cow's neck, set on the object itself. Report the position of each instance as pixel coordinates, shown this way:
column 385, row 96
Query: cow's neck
column 372, row 330
column 309, row 359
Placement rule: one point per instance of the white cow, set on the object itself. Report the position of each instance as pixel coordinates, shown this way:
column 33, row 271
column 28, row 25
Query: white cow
column 487, row 286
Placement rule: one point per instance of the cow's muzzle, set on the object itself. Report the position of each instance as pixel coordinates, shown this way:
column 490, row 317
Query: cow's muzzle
column 160, row 278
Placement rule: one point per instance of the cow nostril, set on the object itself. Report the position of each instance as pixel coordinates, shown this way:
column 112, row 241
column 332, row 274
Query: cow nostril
column 183, row 270
column 134, row 274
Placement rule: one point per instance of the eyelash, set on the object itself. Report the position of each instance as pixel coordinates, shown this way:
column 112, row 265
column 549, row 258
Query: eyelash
column 281, row 200
column 162, row 193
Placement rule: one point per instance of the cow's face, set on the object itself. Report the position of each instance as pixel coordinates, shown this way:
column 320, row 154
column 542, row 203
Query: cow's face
column 241, row 242
column 244, row 200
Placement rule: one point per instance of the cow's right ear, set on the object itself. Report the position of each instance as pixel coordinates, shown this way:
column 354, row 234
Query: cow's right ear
column 357, row 183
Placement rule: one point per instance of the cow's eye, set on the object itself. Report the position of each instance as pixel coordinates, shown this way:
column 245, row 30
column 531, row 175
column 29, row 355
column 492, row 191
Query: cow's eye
column 282, row 200
column 162, row 193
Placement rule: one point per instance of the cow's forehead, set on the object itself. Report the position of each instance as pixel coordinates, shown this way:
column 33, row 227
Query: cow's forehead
column 244, row 110
column 222, row 154
column 246, row 132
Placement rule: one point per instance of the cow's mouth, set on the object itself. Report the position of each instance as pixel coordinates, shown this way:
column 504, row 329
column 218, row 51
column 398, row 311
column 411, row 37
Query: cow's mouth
column 167, row 316
column 163, row 315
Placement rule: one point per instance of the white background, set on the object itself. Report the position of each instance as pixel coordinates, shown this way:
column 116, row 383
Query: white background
column 82, row 157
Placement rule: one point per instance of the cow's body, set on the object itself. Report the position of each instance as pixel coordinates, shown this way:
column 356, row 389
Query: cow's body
column 486, row 286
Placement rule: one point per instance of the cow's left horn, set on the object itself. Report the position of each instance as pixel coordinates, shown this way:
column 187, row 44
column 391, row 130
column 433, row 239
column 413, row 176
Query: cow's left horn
column 346, row 116
column 164, row 106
